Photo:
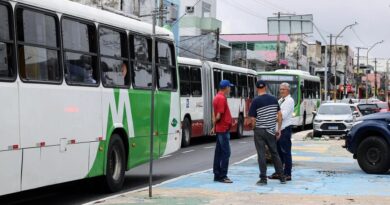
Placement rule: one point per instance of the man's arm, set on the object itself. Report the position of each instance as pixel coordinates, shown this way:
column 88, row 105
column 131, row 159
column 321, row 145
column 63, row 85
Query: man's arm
column 252, row 122
column 280, row 119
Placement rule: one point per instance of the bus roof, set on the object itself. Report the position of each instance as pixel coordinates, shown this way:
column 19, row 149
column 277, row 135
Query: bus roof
column 189, row 61
column 97, row 15
column 225, row 67
column 300, row 73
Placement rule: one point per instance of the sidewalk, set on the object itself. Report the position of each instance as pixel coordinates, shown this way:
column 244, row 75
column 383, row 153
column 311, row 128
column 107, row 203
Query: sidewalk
column 323, row 173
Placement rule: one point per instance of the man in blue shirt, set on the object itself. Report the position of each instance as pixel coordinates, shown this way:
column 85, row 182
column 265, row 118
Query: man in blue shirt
column 264, row 113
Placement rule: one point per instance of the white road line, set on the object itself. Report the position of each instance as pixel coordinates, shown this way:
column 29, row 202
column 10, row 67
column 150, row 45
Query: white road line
column 188, row 151
column 167, row 156
column 162, row 183
column 208, row 147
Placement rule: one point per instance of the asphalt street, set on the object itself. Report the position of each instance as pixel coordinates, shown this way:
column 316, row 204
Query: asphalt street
column 197, row 157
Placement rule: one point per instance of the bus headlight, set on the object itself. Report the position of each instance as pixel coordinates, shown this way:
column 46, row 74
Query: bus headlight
column 294, row 115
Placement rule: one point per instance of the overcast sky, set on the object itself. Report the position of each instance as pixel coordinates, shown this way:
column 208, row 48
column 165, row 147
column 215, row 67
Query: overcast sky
column 331, row 16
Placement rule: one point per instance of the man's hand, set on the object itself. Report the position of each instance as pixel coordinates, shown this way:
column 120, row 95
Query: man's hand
column 212, row 132
column 278, row 134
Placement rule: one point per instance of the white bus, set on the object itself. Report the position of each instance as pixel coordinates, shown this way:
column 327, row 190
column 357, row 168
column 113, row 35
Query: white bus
column 75, row 89
column 305, row 90
column 199, row 82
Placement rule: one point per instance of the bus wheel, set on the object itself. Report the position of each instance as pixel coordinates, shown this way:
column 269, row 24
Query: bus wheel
column 186, row 133
column 240, row 127
column 116, row 164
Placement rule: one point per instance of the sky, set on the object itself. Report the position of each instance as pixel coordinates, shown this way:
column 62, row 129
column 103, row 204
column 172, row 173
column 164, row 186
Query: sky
column 331, row 16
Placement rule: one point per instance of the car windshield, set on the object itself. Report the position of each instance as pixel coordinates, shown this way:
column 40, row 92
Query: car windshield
column 334, row 110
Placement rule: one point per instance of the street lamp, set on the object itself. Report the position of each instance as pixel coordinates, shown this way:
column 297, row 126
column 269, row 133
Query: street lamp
column 368, row 51
column 335, row 81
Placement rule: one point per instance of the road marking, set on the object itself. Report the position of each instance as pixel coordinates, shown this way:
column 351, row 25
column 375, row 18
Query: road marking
column 160, row 184
column 188, row 151
column 166, row 156
column 243, row 142
column 208, row 147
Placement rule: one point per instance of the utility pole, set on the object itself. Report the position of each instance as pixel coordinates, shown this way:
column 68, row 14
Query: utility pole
column 375, row 85
column 217, row 51
column 358, row 68
column 330, row 57
column 278, row 44
column 161, row 11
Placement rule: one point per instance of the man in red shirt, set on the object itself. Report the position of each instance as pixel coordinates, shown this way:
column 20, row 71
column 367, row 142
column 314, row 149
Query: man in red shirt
column 222, row 121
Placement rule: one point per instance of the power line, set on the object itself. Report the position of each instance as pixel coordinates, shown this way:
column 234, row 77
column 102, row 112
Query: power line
column 271, row 5
column 192, row 37
column 357, row 36
column 246, row 10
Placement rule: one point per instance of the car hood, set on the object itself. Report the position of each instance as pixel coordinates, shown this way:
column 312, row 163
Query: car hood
column 376, row 116
column 333, row 117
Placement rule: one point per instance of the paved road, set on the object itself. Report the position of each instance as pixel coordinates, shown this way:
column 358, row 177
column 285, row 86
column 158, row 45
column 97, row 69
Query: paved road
column 195, row 158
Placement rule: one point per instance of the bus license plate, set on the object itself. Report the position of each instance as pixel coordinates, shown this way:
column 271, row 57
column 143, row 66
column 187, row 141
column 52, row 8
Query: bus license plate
column 333, row 127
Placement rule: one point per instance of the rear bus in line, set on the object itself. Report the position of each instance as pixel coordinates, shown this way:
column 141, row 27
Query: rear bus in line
column 75, row 85
column 305, row 90
column 199, row 81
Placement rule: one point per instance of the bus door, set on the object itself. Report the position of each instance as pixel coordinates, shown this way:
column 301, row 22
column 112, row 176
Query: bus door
column 10, row 152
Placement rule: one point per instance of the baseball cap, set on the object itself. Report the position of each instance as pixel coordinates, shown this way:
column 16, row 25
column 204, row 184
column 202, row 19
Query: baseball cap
column 260, row 84
column 225, row 83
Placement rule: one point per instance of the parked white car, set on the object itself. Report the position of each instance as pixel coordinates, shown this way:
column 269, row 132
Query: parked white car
column 333, row 119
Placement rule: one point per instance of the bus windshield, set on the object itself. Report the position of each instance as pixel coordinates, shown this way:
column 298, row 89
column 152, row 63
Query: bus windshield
column 274, row 81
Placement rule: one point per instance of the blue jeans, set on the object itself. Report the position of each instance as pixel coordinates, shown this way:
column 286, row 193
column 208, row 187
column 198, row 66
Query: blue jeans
column 221, row 156
column 284, row 150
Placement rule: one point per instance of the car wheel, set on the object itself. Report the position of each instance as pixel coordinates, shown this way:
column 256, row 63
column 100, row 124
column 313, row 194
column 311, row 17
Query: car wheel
column 187, row 133
column 373, row 155
column 116, row 164
column 317, row 134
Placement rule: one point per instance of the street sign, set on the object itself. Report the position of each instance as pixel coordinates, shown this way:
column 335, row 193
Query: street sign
column 296, row 24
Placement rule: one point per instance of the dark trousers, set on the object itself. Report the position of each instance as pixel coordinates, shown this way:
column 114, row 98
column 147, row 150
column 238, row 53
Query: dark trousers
column 262, row 138
column 221, row 156
column 284, row 150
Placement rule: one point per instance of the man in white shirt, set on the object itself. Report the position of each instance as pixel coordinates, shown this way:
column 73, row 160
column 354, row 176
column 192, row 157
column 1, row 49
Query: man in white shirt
column 286, row 103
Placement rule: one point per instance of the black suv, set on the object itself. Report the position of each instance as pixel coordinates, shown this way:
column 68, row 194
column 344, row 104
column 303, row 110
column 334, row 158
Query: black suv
column 369, row 142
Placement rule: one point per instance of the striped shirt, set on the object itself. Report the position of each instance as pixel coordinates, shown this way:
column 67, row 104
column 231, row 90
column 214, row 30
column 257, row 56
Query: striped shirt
column 265, row 109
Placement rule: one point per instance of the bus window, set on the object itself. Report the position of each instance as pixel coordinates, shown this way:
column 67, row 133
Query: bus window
column 196, row 82
column 7, row 69
column 113, row 58
column 141, row 57
column 80, row 53
column 185, row 83
column 217, row 80
column 166, row 66
column 242, row 86
column 234, row 81
column 251, row 86
column 38, row 46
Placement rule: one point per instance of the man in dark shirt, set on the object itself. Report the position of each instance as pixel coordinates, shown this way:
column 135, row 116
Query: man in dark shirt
column 222, row 121
column 264, row 113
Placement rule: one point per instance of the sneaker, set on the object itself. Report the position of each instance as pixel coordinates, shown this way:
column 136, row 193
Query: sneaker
column 274, row 176
column 225, row 180
column 282, row 179
column 262, row 182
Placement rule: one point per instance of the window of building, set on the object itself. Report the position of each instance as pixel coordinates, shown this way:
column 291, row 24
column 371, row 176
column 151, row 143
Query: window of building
column 206, row 10
column 7, row 68
column 166, row 66
column 142, row 61
column 38, row 46
column 80, row 53
column 196, row 81
column 304, row 50
column 185, row 82
column 114, row 58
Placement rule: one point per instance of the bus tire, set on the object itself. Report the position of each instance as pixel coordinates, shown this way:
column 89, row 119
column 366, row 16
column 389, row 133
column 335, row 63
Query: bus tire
column 240, row 127
column 186, row 133
column 116, row 165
